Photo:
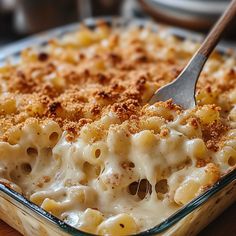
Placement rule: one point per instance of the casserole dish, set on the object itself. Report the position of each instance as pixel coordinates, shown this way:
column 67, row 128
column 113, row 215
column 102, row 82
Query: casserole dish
column 30, row 219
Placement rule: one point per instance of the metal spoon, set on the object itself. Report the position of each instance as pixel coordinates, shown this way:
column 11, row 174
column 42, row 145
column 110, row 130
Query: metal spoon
column 182, row 89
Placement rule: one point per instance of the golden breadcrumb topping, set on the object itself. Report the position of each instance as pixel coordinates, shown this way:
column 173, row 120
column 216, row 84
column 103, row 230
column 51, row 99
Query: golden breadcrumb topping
column 77, row 79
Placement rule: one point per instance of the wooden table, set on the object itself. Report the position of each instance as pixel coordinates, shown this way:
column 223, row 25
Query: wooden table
column 224, row 225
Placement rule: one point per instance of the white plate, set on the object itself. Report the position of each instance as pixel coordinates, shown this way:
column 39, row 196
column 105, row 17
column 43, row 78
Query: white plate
column 202, row 7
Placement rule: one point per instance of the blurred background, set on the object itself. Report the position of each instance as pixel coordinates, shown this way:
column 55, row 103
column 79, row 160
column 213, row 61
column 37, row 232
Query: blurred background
column 20, row 18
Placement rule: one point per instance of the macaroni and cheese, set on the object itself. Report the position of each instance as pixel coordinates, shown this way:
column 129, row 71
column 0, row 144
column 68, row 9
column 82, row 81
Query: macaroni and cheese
column 78, row 138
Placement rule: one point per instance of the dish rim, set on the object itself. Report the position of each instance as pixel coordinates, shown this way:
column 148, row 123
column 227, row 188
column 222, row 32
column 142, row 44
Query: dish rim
column 13, row 51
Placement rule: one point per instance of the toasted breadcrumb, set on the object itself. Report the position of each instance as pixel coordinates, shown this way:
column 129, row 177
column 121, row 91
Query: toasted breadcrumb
column 75, row 83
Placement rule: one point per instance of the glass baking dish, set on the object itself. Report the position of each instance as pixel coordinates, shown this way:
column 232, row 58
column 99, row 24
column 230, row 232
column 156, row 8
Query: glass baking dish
column 30, row 219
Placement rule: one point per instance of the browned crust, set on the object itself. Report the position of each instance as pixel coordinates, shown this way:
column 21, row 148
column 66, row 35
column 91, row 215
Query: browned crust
column 113, row 79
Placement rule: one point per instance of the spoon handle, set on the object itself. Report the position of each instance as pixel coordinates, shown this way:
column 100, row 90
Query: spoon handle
column 216, row 32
